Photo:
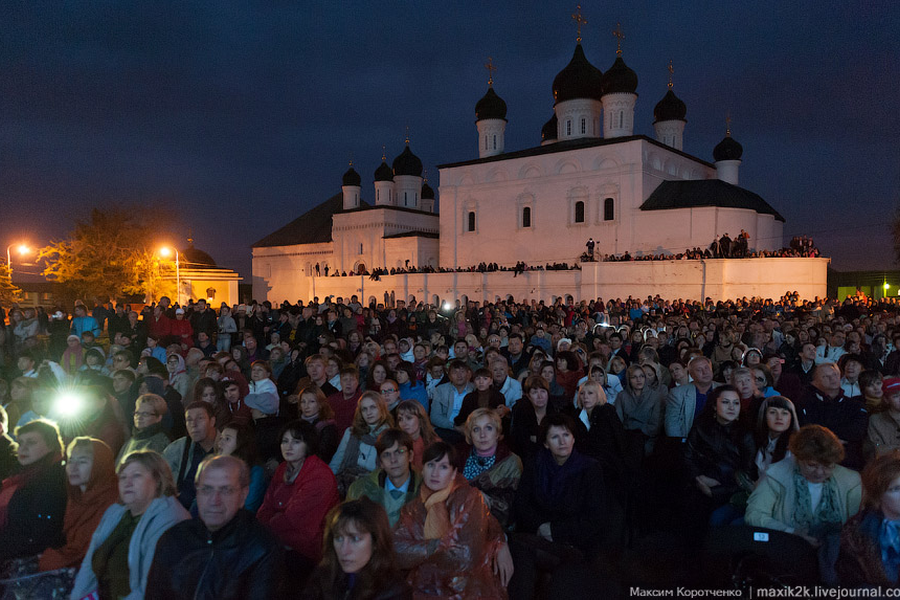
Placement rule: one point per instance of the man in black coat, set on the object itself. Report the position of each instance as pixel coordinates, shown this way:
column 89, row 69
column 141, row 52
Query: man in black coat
column 825, row 404
column 225, row 553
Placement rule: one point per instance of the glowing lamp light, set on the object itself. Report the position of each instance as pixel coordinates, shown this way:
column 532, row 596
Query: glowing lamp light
column 68, row 405
column 887, row 286
column 23, row 249
column 447, row 305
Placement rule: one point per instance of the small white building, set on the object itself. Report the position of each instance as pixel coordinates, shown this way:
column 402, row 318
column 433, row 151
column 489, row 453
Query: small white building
column 590, row 177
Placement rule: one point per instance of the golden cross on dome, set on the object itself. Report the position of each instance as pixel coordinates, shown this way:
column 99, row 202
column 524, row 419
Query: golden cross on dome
column 383, row 153
column 728, row 124
column 617, row 32
column 407, row 135
column 425, row 174
column 351, row 159
column 579, row 21
column 671, row 73
column 489, row 65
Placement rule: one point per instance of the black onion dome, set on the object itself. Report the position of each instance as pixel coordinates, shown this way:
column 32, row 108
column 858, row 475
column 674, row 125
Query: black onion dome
column 620, row 79
column 549, row 130
column 195, row 257
column 407, row 164
column 427, row 192
column 491, row 106
column 728, row 149
column 579, row 79
column 384, row 173
column 351, row 177
column 670, row 108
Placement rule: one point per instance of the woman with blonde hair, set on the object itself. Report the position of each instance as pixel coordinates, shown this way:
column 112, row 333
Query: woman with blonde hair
column 489, row 466
column 356, row 455
column 121, row 551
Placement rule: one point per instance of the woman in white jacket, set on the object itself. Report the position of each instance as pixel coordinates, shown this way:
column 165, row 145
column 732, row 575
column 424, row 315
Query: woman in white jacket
column 118, row 560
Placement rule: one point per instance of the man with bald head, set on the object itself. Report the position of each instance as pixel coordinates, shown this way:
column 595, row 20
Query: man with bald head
column 225, row 553
column 685, row 402
column 825, row 404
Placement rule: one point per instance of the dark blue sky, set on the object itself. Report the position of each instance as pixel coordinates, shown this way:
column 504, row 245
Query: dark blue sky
column 241, row 115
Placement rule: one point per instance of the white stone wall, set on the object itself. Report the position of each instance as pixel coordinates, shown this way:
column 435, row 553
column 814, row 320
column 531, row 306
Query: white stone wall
column 718, row 279
column 286, row 272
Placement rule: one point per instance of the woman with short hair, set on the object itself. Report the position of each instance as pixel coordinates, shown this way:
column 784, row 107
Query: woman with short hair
column 449, row 516
column 558, row 510
column 33, row 501
column 870, row 541
column 809, row 493
column 301, row 493
column 121, row 551
column 489, row 466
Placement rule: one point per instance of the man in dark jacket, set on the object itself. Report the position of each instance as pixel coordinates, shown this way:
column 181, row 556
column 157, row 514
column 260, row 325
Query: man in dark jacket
column 225, row 553
column 825, row 404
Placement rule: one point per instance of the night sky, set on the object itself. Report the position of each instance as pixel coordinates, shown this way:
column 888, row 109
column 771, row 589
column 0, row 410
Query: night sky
column 231, row 118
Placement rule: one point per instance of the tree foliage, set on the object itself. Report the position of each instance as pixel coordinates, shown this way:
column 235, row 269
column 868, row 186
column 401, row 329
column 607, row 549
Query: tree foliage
column 108, row 256
column 9, row 293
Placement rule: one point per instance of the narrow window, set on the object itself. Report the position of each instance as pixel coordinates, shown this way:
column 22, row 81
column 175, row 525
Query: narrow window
column 579, row 212
column 405, row 203
column 526, row 216
column 377, row 195
column 360, row 249
column 621, row 118
column 608, row 210
column 568, row 127
column 485, row 142
column 495, row 142
column 471, row 221
column 583, row 127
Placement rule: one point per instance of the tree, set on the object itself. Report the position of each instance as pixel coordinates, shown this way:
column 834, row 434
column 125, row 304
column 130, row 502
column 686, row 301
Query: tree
column 9, row 293
column 111, row 255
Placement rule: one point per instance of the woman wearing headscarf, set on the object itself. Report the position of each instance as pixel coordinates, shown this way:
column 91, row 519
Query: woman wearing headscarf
column 93, row 487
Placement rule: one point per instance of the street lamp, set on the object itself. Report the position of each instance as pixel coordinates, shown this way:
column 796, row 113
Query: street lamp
column 22, row 249
column 166, row 251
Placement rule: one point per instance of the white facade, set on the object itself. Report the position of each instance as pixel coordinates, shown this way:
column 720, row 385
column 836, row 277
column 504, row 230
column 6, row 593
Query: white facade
column 576, row 194
column 491, row 137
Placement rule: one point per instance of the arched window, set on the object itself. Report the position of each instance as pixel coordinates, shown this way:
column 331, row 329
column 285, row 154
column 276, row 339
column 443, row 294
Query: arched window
column 485, row 142
column 495, row 142
column 471, row 221
column 583, row 127
column 621, row 118
column 579, row 212
column 526, row 216
column 405, row 203
column 377, row 195
column 568, row 127
column 360, row 248
column 609, row 212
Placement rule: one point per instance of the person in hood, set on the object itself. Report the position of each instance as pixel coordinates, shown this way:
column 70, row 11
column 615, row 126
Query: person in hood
column 93, row 487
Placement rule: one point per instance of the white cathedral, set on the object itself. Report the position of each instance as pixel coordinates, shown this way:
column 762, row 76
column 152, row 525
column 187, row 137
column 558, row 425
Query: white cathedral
column 590, row 177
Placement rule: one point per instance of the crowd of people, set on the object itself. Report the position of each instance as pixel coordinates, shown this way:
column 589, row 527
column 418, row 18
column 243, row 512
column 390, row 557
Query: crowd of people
column 725, row 247
column 510, row 449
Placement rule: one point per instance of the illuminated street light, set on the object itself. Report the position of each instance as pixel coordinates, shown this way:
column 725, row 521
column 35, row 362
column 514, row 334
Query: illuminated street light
column 22, row 249
column 165, row 251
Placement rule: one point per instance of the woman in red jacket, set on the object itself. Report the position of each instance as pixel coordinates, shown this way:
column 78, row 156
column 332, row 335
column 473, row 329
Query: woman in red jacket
column 299, row 497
